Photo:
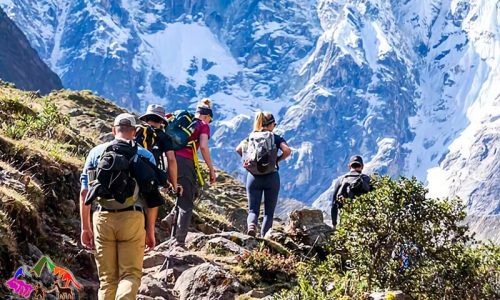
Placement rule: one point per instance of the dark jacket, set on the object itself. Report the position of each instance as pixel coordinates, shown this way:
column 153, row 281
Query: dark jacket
column 336, row 190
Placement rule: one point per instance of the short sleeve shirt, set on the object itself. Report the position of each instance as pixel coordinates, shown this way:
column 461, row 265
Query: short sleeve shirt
column 201, row 128
column 164, row 141
column 278, row 140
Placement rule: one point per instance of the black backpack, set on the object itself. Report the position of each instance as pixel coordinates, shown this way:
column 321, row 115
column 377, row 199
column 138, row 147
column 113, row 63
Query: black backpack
column 352, row 185
column 113, row 179
column 180, row 127
column 147, row 137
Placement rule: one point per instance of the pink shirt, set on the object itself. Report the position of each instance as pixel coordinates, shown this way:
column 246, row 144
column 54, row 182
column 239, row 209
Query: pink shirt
column 201, row 128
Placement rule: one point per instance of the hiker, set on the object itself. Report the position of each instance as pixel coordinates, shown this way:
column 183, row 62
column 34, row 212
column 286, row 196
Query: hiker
column 153, row 138
column 260, row 158
column 188, row 171
column 118, row 235
column 350, row 185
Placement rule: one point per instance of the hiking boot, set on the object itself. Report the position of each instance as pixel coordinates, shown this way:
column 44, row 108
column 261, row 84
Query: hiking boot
column 180, row 247
column 252, row 230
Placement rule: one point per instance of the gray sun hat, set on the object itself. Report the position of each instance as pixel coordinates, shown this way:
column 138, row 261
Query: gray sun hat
column 124, row 119
column 156, row 110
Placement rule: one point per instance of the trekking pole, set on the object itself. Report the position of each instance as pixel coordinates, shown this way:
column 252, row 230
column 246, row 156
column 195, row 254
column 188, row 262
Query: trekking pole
column 173, row 230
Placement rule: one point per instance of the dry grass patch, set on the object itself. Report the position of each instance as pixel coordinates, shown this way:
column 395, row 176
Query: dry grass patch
column 22, row 211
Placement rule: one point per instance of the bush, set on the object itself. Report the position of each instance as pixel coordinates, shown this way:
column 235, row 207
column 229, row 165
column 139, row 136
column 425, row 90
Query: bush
column 263, row 266
column 396, row 238
column 41, row 124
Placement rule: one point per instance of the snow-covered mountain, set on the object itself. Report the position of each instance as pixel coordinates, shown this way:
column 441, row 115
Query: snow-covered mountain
column 451, row 49
column 409, row 84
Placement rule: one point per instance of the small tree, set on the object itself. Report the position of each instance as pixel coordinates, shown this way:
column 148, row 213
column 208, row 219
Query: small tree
column 396, row 238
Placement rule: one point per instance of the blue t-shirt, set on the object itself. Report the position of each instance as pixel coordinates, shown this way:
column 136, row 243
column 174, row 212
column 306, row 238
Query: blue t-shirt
column 93, row 159
column 278, row 140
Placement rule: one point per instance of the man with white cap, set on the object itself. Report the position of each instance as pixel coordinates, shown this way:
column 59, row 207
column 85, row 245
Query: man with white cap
column 118, row 233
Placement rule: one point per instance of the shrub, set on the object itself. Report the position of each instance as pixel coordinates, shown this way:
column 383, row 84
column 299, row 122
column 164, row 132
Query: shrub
column 264, row 266
column 41, row 124
column 396, row 238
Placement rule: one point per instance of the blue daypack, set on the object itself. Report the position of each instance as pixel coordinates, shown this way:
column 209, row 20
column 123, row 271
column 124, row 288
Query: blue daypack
column 180, row 127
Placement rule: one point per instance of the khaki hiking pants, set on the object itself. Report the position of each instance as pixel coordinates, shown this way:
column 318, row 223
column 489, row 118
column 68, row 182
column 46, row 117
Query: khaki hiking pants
column 119, row 239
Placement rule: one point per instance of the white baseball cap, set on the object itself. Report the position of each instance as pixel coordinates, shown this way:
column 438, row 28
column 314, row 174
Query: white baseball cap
column 125, row 119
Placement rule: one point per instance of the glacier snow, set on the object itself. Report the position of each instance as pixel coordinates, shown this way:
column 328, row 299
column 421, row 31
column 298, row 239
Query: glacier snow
column 410, row 85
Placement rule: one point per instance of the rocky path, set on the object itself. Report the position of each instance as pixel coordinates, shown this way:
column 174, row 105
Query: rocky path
column 232, row 265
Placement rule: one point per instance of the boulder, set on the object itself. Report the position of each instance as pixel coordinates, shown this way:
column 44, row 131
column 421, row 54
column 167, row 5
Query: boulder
column 152, row 286
column 278, row 235
column 206, row 228
column 170, row 243
column 178, row 262
column 223, row 247
column 307, row 226
column 207, row 282
column 153, row 259
column 243, row 240
column 167, row 262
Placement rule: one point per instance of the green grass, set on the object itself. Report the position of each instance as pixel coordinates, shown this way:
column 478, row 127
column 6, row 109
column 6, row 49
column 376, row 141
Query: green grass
column 41, row 124
column 61, row 152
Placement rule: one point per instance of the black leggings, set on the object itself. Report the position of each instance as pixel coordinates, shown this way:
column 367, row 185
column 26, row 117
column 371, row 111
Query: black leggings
column 269, row 185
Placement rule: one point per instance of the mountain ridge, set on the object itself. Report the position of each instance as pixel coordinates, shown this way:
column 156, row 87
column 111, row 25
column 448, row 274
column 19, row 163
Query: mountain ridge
column 405, row 84
column 19, row 62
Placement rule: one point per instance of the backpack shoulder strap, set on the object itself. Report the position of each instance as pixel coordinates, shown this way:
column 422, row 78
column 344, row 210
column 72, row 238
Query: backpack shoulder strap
column 343, row 187
column 366, row 182
column 105, row 149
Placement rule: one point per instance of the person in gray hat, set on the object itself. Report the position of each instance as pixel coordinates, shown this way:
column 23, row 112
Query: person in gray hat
column 153, row 137
column 116, row 230
column 353, row 183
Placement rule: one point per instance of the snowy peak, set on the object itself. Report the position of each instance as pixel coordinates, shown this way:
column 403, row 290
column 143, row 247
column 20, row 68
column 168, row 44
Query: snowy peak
column 458, row 106
column 358, row 96
column 410, row 85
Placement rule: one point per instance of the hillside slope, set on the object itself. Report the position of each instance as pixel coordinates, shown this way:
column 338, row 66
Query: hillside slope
column 19, row 62
column 43, row 142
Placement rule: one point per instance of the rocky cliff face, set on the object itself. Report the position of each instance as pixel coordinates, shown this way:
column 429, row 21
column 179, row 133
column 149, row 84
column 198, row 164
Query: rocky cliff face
column 19, row 62
column 409, row 85
column 453, row 124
